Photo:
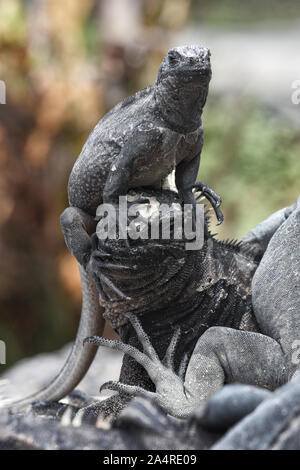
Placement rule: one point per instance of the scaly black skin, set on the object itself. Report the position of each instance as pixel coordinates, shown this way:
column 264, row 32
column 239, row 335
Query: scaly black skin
column 228, row 337
column 206, row 295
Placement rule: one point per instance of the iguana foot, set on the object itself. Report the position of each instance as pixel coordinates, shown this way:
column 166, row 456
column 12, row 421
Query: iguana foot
column 212, row 197
column 101, row 279
column 170, row 391
column 98, row 267
column 99, row 263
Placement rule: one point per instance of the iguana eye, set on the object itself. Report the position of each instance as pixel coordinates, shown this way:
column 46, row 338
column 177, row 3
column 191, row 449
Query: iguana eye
column 173, row 58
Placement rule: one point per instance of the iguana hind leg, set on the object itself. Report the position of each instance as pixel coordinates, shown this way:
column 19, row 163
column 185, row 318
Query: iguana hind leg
column 161, row 372
column 221, row 355
column 224, row 355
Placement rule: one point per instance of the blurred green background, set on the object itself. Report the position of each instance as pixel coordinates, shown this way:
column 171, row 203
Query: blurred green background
column 65, row 64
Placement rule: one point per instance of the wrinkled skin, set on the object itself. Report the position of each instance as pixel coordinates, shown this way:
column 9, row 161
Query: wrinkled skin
column 225, row 355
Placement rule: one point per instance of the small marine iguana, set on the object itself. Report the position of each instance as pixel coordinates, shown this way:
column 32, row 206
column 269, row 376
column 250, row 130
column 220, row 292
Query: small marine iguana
column 228, row 335
column 138, row 143
column 141, row 140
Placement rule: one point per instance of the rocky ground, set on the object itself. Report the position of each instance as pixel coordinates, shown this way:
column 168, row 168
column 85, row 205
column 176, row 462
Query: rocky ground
column 237, row 417
column 29, row 375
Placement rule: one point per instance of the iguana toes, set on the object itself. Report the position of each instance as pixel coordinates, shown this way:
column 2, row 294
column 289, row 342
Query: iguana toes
column 204, row 298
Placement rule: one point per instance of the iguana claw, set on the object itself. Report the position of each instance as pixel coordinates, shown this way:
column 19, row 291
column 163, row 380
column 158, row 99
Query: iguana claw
column 212, row 197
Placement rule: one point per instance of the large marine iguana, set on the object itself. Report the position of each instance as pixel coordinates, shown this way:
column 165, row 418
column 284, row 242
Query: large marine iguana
column 170, row 288
column 227, row 335
column 138, row 143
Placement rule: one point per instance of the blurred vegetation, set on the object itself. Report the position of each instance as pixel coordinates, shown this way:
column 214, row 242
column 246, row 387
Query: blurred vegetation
column 65, row 64
column 230, row 12
column 252, row 157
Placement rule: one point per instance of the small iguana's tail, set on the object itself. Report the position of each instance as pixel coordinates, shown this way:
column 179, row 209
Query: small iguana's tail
column 80, row 357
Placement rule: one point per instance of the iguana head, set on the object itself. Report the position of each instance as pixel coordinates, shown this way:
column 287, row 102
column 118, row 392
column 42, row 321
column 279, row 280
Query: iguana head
column 138, row 276
column 185, row 66
column 182, row 86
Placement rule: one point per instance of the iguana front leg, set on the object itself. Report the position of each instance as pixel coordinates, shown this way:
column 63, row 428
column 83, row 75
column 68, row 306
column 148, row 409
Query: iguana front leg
column 77, row 227
column 185, row 178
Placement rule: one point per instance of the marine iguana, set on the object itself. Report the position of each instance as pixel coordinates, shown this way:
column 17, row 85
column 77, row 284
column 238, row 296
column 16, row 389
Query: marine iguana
column 227, row 334
column 170, row 288
column 138, row 143
column 164, row 284
column 141, row 140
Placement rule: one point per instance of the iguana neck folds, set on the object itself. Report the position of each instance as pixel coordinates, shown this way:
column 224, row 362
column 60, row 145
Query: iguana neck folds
column 181, row 109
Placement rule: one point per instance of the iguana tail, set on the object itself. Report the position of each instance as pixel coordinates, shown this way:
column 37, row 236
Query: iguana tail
column 80, row 357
